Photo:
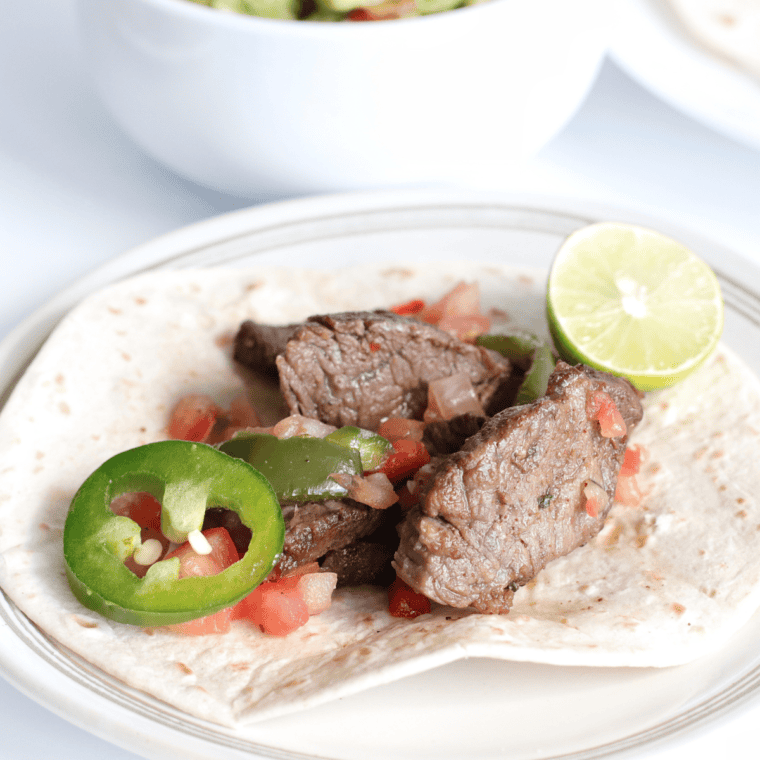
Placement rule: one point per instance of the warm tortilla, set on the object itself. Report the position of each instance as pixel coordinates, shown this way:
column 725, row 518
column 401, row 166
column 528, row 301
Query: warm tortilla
column 663, row 583
column 729, row 28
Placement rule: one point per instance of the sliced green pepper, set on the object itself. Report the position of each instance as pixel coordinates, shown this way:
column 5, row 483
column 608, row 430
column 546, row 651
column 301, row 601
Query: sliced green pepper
column 186, row 478
column 298, row 468
column 530, row 352
column 372, row 448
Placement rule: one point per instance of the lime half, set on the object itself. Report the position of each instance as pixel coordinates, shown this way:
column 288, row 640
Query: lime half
column 633, row 302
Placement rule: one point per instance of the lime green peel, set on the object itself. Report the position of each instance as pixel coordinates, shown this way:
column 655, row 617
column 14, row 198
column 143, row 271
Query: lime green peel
column 633, row 302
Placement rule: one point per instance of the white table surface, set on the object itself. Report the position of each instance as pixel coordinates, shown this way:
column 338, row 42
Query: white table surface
column 74, row 192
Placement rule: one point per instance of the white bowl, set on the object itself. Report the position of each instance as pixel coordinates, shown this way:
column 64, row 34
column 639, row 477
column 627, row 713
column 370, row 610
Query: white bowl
column 261, row 107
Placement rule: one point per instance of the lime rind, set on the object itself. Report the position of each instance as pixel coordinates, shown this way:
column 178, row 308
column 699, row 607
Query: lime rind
column 630, row 301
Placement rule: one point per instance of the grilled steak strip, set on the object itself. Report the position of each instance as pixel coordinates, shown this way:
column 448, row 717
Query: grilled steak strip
column 498, row 511
column 315, row 528
column 358, row 368
column 447, row 436
column 258, row 346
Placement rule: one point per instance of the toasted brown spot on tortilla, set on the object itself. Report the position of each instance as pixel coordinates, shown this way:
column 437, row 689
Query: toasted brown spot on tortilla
column 44, row 526
column 679, row 609
column 64, row 408
column 114, row 310
column 126, row 356
column 255, row 285
column 84, row 623
column 240, row 666
column 717, row 454
column 612, row 536
column 184, row 668
column 141, row 301
column 727, row 19
column 741, row 513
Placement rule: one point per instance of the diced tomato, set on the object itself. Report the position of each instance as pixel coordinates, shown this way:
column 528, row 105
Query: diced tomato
column 407, row 458
column 601, row 407
column 405, row 602
column 219, row 622
column 595, row 498
column 631, row 462
column 466, row 327
column 406, row 499
column 139, row 506
column 360, row 14
column 193, row 418
column 627, row 491
column 396, row 428
column 409, row 308
column 276, row 608
column 223, row 554
column 462, row 300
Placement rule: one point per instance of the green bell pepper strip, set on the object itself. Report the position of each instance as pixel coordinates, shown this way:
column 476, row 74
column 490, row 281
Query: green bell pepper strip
column 372, row 448
column 532, row 353
column 298, row 468
column 186, row 478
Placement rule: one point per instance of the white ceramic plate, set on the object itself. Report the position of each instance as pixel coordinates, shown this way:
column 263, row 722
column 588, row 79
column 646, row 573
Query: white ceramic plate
column 651, row 45
column 475, row 708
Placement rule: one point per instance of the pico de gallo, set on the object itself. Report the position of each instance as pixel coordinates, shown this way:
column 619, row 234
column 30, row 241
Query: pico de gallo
column 336, row 10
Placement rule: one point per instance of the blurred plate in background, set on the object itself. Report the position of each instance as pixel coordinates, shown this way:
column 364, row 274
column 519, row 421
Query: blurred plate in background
column 652, row 46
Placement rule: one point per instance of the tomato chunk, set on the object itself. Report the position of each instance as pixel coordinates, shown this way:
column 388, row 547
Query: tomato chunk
column 405, row 602
column 407, row 458
column 602, row 408
column 631, row 461
column 416, row 305
column 277, row 608
column 223, row 554
column 193, row 418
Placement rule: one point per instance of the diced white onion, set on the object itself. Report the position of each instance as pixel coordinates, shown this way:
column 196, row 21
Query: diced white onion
column 317, row 590
column 149, row 552
column 297, row 424
column 199, row 542
column 452, row 396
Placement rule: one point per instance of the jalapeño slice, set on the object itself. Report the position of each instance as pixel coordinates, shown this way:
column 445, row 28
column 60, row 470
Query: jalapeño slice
column 186, row 478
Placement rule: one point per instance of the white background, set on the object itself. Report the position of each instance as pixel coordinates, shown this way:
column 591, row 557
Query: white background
column 74, row 192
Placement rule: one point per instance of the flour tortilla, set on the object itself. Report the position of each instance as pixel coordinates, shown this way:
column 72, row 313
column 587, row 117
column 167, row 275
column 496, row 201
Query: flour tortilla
column 729, row 28
column 662, row 584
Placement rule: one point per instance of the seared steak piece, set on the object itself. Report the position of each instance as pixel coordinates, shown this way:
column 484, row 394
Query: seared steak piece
column 447, row 436
column 514, row 498
column 358, row 368
column 315, row 528
column 361, row 563
column 258, row 346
